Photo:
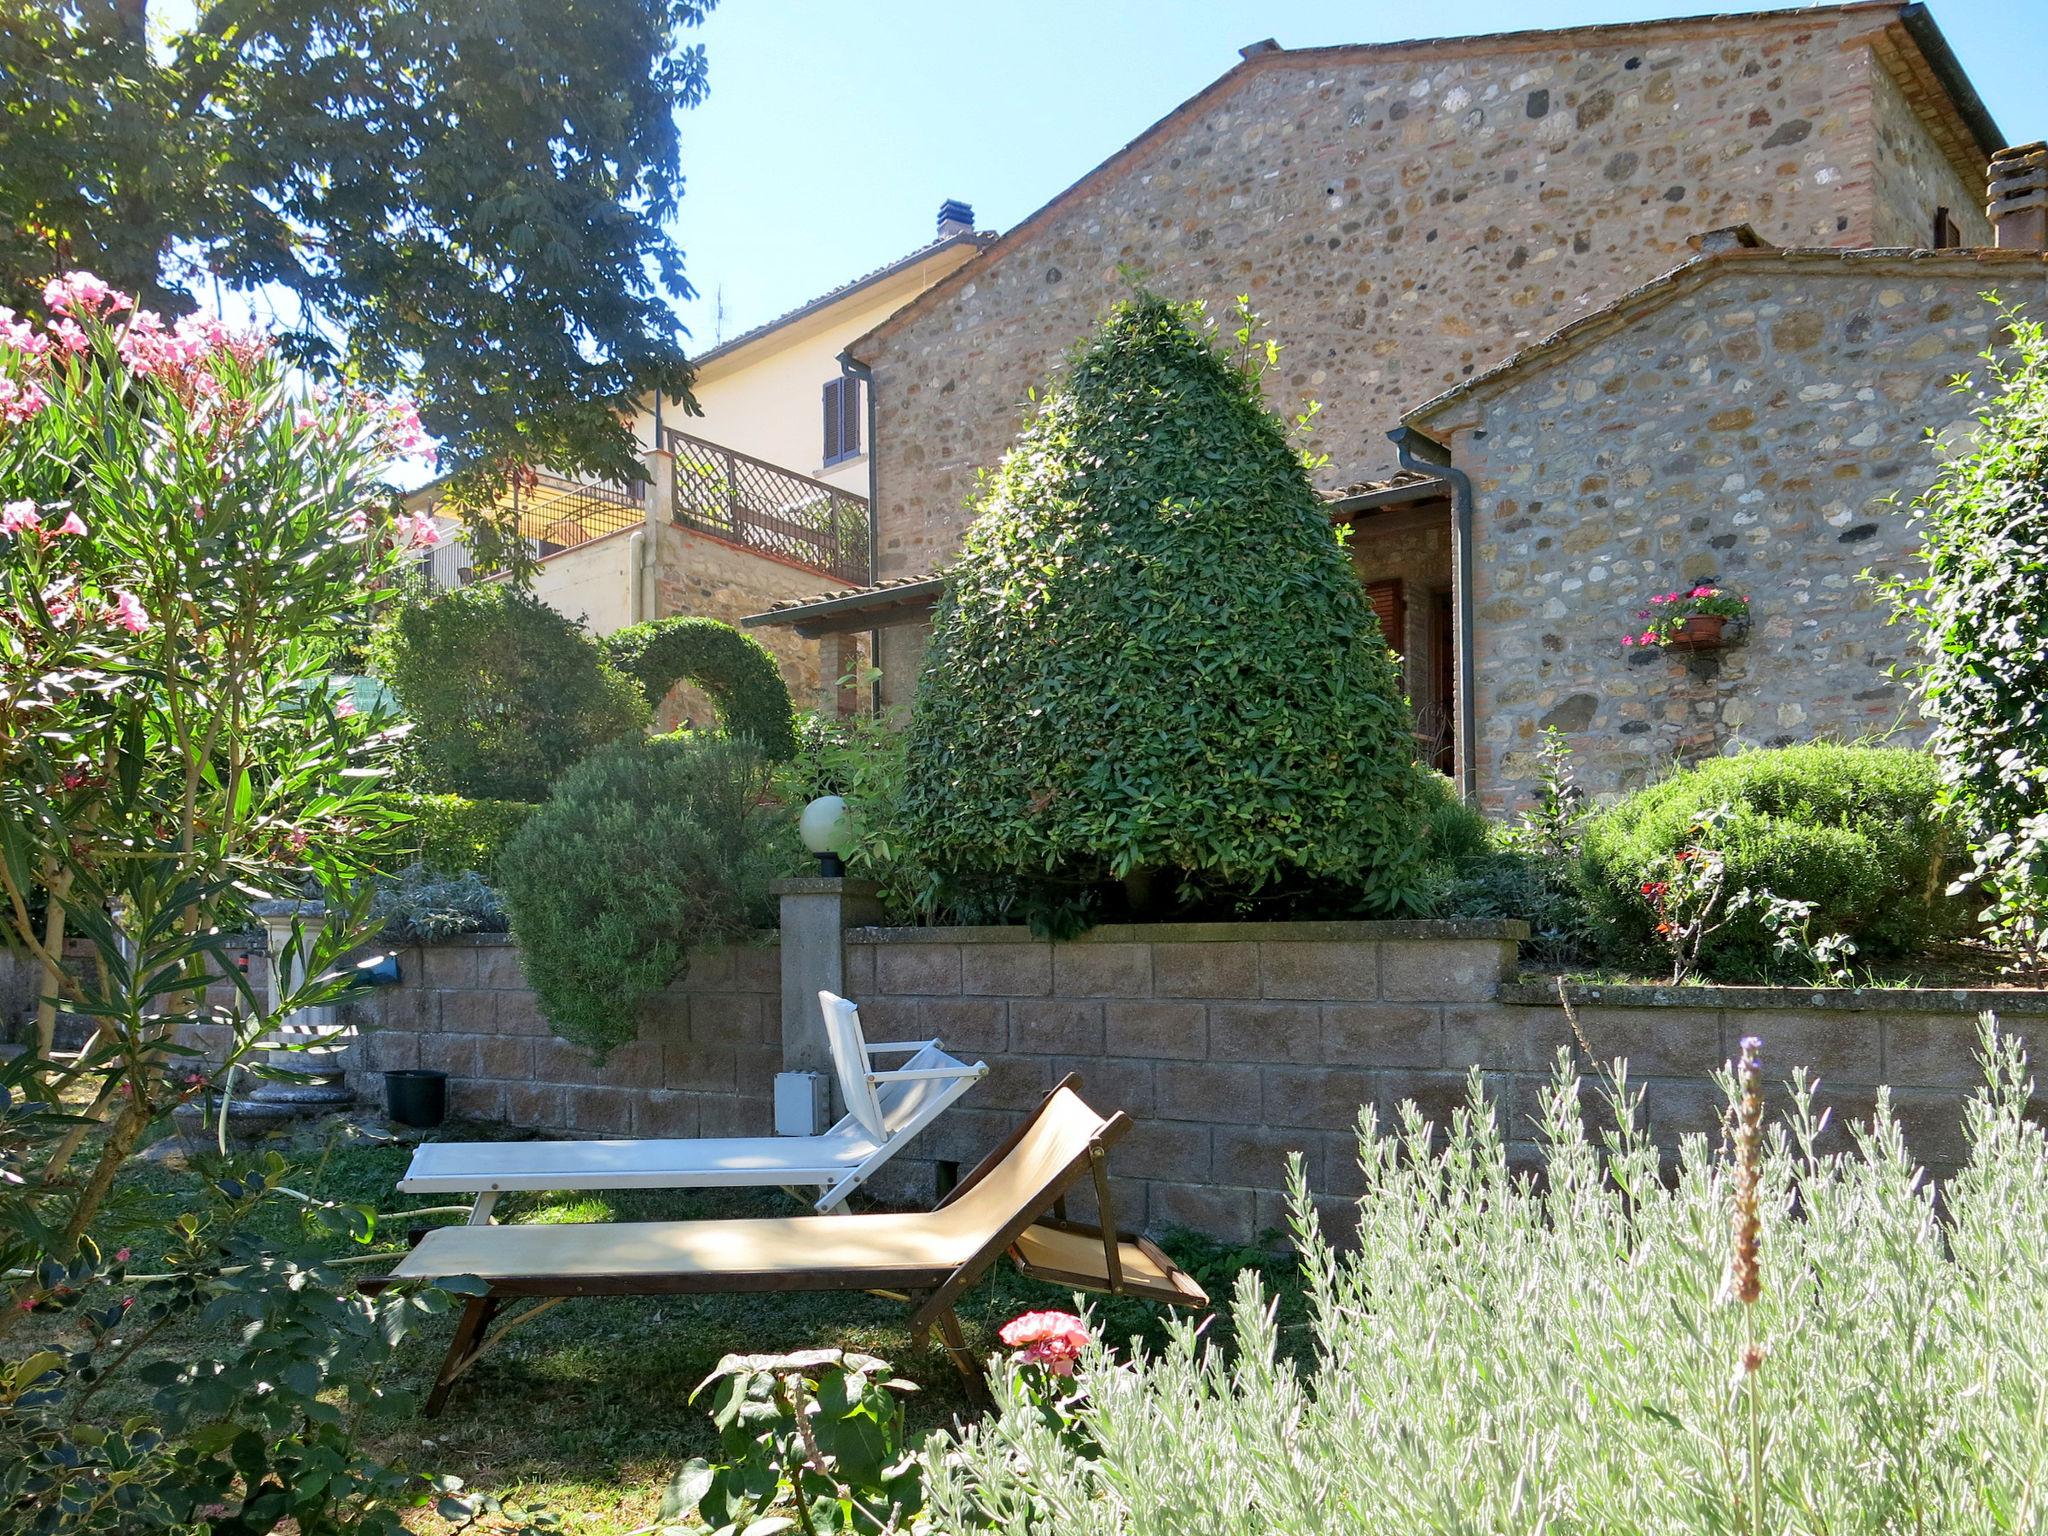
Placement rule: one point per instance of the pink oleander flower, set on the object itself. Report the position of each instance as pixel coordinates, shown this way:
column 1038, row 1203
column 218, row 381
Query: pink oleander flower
column 73, row 525
column 127, row 611
column 344, row 706
column 304, row 420
column 20, row 401
column 418, row 528
column 18, row 517
column 68, row 336
column 20, row 335
column 357, row 521
column 61, row 602
column 1628, row 639
column 80, row 293
column 1051, row 1339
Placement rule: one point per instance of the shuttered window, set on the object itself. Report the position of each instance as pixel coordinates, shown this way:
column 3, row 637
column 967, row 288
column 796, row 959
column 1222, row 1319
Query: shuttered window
column 842, row 419
column 1391, row 609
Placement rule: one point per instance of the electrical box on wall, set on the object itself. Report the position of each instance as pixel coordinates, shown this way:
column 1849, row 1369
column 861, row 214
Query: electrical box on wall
column 801, row 1103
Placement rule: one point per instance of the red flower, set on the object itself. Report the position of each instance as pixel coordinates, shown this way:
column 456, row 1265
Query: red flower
column 1051, row 1339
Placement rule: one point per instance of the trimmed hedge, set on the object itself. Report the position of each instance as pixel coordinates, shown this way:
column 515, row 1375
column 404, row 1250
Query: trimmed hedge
column 1857, row 831
column 451, row 835
column 735, row 669
column 504, row 693
column 1153, row 664
column 646, row 850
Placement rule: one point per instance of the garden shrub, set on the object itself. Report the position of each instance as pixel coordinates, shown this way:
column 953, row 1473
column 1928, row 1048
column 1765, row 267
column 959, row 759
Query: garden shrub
column 1778, row 1341
column 1858, row 831
column 645, row 851
column 737, row 671
column 419, row 905
column 452, row 834
column 1981, row 609
column 1153, row 664
column 504, row 693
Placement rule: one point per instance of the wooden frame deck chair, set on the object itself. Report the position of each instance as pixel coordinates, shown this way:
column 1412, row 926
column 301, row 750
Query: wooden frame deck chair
column 885, row 1112
column 1013, row 1203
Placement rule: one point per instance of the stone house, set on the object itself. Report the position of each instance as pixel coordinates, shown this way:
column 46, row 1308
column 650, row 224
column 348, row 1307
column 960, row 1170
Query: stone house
column 1411, row 217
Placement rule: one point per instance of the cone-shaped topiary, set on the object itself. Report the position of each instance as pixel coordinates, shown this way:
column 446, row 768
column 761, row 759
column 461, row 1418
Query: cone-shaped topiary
column 1153, row 662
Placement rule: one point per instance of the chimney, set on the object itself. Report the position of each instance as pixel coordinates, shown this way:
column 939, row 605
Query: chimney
column 2018, row 197
column 955, row 218
column 1251, row 51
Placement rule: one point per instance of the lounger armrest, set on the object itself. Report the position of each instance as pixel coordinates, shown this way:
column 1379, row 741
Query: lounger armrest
column 925, row 1074
column 908, row 1047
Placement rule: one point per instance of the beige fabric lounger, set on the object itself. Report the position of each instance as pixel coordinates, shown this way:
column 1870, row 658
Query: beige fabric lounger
column 1013, row 1202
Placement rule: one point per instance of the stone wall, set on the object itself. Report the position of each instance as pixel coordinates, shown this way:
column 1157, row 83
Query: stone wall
column 1231, row 1045
column 1759, row 420
column 703, row 1065
column 703, row 576
column 1405, row 216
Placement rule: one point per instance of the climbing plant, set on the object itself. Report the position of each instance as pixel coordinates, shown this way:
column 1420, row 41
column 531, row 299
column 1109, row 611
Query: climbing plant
column 736, row 670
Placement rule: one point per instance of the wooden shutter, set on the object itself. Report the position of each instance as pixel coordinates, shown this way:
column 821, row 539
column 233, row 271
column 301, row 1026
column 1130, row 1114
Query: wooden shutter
column 842, row 419
column 1391, row 610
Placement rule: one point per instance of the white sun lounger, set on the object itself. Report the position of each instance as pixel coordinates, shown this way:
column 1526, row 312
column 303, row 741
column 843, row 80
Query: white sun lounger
column 885, row 1110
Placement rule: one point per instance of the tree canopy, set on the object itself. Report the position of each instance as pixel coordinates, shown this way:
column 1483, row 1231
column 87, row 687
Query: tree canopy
column 466, row 197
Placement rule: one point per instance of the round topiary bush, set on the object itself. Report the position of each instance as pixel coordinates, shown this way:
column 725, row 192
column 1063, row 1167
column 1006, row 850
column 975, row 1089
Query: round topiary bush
column 1857, row 831
column 735, row 669
column 504, row 693
column 1153, row 664
column 645, row 851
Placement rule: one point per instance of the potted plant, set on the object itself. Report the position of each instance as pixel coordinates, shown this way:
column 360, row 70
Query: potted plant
column 1688, row 621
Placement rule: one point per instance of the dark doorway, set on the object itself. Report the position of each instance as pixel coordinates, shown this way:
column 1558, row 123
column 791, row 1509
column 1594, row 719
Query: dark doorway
column 1443, row 675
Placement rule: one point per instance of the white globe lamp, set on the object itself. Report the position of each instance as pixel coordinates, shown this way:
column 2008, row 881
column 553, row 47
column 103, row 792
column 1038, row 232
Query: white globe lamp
column 823, row 827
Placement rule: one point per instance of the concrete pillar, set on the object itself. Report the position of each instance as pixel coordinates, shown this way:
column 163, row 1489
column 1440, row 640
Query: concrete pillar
column 657, row 501
column 815, row 913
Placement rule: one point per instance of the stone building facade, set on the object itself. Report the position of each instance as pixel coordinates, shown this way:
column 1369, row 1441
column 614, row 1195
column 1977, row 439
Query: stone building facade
column 1406, row 215
column 1756, row 418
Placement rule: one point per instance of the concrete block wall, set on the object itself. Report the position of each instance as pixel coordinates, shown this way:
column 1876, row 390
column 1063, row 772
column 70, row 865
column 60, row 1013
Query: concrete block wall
column 1231, row 1045
column 704, row 1063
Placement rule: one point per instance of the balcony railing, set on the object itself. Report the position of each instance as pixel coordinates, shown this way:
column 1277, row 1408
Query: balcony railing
column 766, row 507
column 553, row 514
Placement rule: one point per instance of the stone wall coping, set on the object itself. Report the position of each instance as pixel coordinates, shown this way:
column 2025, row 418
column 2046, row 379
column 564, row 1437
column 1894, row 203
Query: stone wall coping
column 823, row 885
column 1502, row 929
column 761, row 936
column 2029, row 1000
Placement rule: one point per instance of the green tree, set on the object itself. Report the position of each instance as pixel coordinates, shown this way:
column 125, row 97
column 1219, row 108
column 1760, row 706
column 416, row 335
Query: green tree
column 504, row 693
column 1981, row 609
column 467, row 196
column 1153, row 664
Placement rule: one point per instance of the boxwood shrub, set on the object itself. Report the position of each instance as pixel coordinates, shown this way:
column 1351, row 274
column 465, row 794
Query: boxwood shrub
column 1154, row 672
column 735, row 669
column 1856, row 830
column 451, row 835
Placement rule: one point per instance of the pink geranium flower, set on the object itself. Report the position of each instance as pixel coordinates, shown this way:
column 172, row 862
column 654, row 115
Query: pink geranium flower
column 1051, row 1339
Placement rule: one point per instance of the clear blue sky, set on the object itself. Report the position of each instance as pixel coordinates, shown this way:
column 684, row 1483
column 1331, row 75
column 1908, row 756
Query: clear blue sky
column 835, row 128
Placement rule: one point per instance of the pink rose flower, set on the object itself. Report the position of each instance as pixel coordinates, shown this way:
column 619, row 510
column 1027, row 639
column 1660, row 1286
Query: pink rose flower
column 1051, row 1339
column 128, row 612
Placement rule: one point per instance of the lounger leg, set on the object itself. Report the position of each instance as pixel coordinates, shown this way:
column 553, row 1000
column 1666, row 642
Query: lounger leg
column 970, row 1367
column 468, row 1340
column 480, row 1213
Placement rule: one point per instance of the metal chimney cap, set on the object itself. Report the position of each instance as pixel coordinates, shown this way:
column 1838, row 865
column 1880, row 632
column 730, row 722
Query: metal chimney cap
column 955, row 218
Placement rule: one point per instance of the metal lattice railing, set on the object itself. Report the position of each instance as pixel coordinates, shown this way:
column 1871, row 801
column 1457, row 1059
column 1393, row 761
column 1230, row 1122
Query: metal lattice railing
column 766, row 507
column 552, row 513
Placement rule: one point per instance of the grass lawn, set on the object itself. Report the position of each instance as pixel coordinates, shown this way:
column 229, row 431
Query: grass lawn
column 586, row 1412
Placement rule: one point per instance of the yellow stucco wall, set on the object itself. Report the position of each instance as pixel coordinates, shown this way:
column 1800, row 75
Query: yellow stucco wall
column 767, row 398
column 592, row 582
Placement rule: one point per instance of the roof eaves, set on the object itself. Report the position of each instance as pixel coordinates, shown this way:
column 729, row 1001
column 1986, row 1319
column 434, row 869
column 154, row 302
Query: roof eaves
column 839, row 611
column 1948, row 69
column 824, row 301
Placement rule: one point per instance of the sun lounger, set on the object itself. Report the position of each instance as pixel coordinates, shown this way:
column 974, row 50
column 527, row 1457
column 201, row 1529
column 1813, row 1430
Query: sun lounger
column 1013, row 1203
column 886, row 1109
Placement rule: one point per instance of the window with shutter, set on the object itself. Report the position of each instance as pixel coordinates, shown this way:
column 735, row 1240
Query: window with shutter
column 1391, row 610
column 842, row 419
column 1948, row 234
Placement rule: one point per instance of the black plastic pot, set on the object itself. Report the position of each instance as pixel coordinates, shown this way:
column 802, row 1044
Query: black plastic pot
column 416, row 1096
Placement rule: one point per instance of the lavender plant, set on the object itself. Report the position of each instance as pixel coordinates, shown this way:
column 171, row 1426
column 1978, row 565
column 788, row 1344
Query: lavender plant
column 1605, row 1352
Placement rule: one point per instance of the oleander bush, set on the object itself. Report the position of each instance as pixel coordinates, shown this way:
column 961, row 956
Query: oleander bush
column 1779, row 1341
column 504, row 693
column 645, row 851
column 1858, row 831
column 736, row 670
column 1154, row 675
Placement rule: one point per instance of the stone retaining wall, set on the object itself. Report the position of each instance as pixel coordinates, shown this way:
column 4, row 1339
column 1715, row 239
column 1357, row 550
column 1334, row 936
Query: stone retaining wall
column 1230, row 1045
column 703, row 1065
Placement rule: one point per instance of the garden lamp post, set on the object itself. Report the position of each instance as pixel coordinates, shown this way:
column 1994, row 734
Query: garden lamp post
column 823, row 827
